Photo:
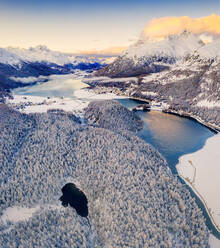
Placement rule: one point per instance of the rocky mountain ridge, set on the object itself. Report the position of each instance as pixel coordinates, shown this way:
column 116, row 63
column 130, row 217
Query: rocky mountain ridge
column 187, row 81
column 150, row 56
column 40, row 54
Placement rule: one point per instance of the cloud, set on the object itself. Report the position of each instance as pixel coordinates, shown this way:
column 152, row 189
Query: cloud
column 159, row 28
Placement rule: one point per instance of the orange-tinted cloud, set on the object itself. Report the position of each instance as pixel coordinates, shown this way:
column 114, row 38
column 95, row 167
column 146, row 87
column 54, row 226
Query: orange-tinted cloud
column 159, row 28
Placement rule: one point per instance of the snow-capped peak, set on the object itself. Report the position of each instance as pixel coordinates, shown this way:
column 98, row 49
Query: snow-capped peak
column 8, row 58
column 42, row 54
column 38, row 48
column 211, row 50
column 174, row 46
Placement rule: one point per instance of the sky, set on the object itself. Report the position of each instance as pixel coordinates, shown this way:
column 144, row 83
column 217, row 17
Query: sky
column 88, row 25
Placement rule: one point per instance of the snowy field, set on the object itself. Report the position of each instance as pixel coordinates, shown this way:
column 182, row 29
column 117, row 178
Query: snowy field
column 214, row 242
column 16, row 214
column 201, row 170
column 208, row 104
column 37, row 104
column 90, row 94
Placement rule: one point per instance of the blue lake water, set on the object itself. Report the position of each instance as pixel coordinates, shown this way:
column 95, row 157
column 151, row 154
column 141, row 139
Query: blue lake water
column 56, row 86
column 174, row 136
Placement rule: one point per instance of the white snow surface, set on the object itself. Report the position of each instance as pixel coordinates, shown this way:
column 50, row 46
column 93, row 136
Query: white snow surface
column 18, row 213
column 90, row 94
column 211, row 50
column 201, row 171
column 37, row 104
column 208, row 104
column 214, row 242
column 15, row 56
column 175, row 46
column 9, row 58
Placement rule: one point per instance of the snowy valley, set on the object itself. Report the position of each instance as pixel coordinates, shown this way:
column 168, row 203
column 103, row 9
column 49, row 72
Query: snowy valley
column 61, row 122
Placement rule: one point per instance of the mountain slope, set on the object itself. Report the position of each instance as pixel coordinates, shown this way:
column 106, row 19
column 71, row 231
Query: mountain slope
column 185, row 79
column 41, row 54
column 151, row 56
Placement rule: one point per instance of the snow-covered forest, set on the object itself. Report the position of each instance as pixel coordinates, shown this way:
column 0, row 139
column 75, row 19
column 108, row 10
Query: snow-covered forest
column 133, row 198
column 105, row 114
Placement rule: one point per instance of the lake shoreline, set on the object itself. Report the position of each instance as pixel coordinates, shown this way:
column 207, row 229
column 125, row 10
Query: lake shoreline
column 202, row 200
column 192, row 169
column 212, row 127
column 165, row 109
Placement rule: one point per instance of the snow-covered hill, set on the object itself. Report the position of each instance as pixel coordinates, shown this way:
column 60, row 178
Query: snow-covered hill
column 133, row 198
column 211, row 50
